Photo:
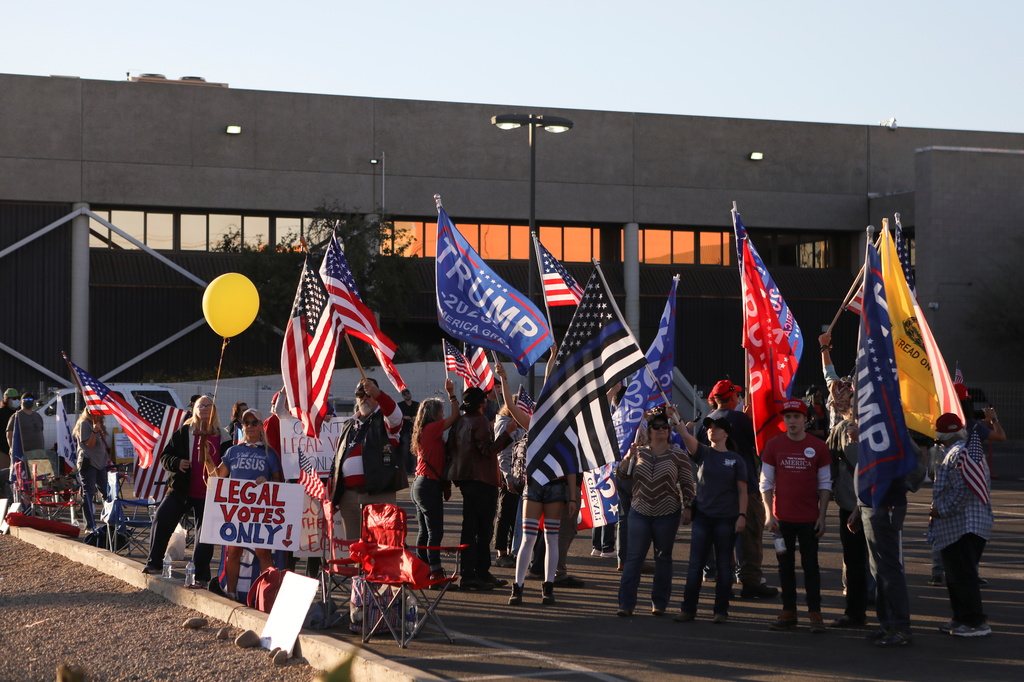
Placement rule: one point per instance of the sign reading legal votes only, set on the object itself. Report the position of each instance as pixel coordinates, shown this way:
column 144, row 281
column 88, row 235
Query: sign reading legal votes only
column 249, row 514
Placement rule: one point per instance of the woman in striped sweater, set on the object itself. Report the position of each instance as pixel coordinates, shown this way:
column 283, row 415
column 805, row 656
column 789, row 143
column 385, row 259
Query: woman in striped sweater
column 663, row 491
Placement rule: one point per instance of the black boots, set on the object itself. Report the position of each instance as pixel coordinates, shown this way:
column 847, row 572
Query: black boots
column 517, row 595
column 548, row 591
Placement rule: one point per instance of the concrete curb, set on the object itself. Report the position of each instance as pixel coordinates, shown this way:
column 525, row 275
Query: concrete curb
column 320, row 651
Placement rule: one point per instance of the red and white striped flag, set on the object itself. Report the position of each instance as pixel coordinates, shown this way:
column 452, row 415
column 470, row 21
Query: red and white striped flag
column 974, row 466
column 856, row 304
column 478, row 361
column 309, row 349
column 958, row 376
column 356, row 318
column 454, row 361
column 101, row 400
column 310, row 479
column 559, row 286
column 150, row 483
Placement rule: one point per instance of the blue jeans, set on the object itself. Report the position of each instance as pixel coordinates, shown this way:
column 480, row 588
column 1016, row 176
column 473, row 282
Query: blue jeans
column 643, row 530
column 625, row 490
column 707, row 532
column 883, row 530
column 804, row 534
column 92, row 479
column 428, row 496
column 603, row 537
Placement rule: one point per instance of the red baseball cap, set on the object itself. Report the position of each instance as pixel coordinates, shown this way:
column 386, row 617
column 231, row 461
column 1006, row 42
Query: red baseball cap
column 949, row 422
column 724, row 389
column 961, row 392
column 794, row 406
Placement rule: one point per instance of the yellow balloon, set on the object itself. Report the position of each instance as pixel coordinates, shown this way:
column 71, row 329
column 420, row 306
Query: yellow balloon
column 230, row 304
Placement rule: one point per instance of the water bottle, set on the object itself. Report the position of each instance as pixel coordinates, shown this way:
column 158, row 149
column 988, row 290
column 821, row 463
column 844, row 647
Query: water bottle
column 167, row 566
column 190, row 574
column 780, row 542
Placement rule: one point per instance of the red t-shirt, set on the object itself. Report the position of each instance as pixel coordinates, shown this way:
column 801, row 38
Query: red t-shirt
column 431, row 454
column 796, row 464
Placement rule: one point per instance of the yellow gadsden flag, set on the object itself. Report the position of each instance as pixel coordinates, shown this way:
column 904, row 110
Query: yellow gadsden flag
column 917, row 383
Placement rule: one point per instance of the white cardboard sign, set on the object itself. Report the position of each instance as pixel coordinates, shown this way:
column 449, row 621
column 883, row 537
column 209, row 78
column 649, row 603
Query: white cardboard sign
column 248, row 514
column 294, row 439
column 290, row 608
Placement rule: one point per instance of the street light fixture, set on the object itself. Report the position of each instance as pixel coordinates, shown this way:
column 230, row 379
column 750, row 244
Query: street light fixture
column 552, row 124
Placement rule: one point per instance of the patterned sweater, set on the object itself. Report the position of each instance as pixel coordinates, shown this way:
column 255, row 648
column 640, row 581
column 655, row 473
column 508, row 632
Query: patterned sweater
column 662, row 483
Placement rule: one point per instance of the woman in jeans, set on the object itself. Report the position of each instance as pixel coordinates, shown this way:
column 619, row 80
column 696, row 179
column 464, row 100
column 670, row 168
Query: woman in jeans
column 662, row 492
column 429, row 489
column 719, row 514
column 91, row 434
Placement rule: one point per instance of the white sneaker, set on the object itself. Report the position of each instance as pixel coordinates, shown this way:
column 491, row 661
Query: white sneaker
column 608, row 555
column 962, row 630
column 595, row 552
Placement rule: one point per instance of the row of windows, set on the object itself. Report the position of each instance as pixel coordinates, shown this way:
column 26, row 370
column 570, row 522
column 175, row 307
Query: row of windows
column 206, row 231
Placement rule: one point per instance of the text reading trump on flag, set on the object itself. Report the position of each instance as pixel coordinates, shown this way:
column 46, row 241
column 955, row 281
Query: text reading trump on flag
column 250, row 514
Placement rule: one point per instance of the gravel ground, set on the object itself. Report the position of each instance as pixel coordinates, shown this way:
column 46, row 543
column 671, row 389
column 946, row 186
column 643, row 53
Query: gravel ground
column 55, row 611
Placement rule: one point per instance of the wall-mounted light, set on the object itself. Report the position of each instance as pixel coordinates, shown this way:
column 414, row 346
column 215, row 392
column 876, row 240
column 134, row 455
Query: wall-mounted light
column 233, row 130
column 756, row 156
column 375, row 161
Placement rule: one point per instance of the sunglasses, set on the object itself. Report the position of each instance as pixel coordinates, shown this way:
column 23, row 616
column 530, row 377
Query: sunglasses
column 249, row 422
column 658, row 427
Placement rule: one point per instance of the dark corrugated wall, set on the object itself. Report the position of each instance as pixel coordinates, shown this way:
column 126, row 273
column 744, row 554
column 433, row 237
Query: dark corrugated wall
column 36, row 293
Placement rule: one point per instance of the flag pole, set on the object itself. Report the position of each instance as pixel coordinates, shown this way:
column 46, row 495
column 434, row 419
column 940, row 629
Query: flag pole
column 859, row 278
column 540, row 269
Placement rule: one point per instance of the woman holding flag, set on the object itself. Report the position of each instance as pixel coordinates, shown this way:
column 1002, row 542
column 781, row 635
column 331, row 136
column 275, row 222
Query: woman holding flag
column 429, row 488
column 91, row 435
column 190, row 457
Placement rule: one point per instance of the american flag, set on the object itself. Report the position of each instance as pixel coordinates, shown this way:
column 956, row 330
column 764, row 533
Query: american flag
column 101, row 400
column 974, row 466
column 307, row 355
column 559, row 286
column 904, row 255
column 571, row 429
column 455, row 361
column 356, row 318
column 958, row 376
column 525, row 402
column 310, row 480
column 478, row 361
column 856, row 304
column 150, row 483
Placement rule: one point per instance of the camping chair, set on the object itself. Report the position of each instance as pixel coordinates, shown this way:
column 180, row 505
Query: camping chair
column 395, row 578
column 50, row 495
column 127, row 520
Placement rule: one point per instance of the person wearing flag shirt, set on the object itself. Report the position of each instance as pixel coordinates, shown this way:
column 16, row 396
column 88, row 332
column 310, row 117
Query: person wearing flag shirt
column 474, row 469
column 368, row 467
column 663, row 494
column 796, row 484
column 430, row 489
column 725, row 398
column 250, row 460
column 91, row 435
column 191, row 456
column 719, row 513
column 961, row 522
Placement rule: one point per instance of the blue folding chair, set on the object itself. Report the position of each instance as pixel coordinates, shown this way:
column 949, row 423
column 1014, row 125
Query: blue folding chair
column 128, row 521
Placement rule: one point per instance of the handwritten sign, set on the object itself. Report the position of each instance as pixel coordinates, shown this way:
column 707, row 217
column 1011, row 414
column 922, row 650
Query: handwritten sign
column 249, row 514
column 294, row 438
column 313, row 533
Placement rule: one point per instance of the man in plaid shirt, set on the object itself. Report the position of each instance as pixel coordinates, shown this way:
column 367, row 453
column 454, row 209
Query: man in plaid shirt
column 961, row 521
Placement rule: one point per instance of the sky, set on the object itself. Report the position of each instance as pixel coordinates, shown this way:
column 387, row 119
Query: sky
column 939, row 64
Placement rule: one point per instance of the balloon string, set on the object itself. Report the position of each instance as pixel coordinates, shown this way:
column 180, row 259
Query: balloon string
column 220, row 362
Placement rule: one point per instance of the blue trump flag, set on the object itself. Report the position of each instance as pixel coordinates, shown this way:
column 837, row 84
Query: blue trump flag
column 478, row 307
column 884, row 451
column 642, row 393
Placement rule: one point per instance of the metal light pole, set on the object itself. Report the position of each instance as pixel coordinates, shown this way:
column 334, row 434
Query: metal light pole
column 552, row 124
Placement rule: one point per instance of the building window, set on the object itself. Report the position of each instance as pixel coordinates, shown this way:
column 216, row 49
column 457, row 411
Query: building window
column 502, row 241
column 193, row 233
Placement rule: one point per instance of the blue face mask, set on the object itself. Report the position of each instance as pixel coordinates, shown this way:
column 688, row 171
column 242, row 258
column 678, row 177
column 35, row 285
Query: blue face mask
column 15, row 403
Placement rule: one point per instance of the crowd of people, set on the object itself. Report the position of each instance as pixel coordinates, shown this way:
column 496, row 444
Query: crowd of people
column 707, row 476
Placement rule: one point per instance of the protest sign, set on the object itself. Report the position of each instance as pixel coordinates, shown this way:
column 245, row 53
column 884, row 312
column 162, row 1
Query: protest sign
column 248, row 514
column 290, row 607
column 294, row 438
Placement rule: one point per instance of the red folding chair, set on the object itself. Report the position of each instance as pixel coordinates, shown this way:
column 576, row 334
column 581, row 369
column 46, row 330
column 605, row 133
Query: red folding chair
column 393, row 576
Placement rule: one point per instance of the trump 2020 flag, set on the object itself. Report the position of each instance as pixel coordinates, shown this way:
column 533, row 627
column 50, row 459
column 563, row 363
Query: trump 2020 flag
column 884, row 452
column 571, row 430
column 771, row 337
column 642, row 393
column 478, row 307
column 599, row 504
